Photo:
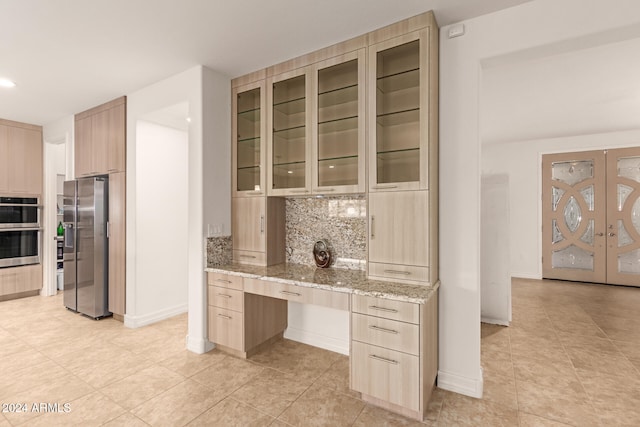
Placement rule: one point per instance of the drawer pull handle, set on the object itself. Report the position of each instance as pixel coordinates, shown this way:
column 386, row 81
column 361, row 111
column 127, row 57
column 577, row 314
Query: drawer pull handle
column 223, row 281
column 378, row 328
column 224, row 295
column 408, row 273
column 224, row 316
column 383, row 359
column 388, row 310
column 299, row 191
column 384, row 186
column 295, row 294
column 247, row 256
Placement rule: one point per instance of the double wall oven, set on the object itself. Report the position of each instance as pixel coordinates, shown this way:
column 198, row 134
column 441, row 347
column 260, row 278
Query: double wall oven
column 20, row 232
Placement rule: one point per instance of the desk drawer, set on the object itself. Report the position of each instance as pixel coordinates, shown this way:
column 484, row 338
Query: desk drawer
column 391, row 334
column 397, row 272
column 386, row 308
column 301, row 294
column 224, row 280
column 226, row 328
column 230, row 299
column 386, row 374
column 250, row 257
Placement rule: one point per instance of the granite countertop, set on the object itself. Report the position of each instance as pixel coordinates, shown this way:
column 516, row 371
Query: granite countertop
column 333, row 279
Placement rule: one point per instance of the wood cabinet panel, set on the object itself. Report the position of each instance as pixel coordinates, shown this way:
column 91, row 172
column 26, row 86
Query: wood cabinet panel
column 83, row 156
column 301, row 294
column 15, row 280
column 117, row 243
column 229, row 299
column 399, row 228
column 4, row 157
column 20, row 160
column 226, row 327
column 391, row 334
column 386, row 374
column 225, row 280
column 117, row 139
column 386, row 308
column 249, row 224
column 398, row 273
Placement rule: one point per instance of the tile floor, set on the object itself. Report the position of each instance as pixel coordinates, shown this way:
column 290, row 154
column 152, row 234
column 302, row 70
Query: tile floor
column 571, row 357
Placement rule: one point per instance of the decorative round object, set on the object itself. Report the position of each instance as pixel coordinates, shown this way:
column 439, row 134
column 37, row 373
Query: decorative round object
column 322, row 254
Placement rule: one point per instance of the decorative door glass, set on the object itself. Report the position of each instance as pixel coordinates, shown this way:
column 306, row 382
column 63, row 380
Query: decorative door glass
column 289, row 133
column 338, row 125
column 398, row 114
column 628, row 215
column 248, row 140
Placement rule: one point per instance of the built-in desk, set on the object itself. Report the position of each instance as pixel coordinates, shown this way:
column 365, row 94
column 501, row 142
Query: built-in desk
column 394, row 326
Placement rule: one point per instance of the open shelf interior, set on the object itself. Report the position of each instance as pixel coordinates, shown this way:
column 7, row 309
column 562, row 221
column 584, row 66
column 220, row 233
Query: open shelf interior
column 248, row 140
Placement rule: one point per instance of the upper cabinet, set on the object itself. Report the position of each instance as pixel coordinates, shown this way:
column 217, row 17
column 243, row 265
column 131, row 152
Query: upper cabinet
column 289, row 116
column 20, row 158
column 100, row 139
column 399, row 111
column 338, row 125
column 249, row 140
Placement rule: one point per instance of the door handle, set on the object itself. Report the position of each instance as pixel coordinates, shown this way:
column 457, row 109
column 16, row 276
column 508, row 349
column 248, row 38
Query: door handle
column 611, row 234
column 600, row 234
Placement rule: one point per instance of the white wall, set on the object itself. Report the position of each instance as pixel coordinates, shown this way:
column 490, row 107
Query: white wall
column 318, row 326
column 162, row 198
column 522, row 161
column 526, row 30
column 186, row 87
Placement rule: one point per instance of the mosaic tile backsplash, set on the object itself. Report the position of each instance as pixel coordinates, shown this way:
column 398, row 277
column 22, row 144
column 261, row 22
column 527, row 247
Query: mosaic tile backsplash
column 341, row 220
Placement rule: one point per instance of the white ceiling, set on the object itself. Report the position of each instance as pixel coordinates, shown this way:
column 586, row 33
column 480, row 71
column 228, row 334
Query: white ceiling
column 586, row 91
column 70, row 55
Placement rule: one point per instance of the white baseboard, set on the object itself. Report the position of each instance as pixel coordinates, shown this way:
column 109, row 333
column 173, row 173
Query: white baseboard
column 459, row 384
column 494, row 321
column 317, row 340
column 199, row 345
column 147, row 319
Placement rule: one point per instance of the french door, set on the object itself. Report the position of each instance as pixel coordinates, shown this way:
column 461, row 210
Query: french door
column 591, row 216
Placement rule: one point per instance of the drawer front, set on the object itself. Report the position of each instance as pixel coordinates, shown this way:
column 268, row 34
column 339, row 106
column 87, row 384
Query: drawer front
column 226, row 328
column 250, row 257
column 398, row 272
column 230, row 299
column 386, row 333
column 301, row 294
column 225, row 280
column 386, row 308
column 386, row 374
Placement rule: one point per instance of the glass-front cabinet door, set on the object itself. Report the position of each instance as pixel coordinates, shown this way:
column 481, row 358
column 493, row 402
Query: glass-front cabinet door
column 249, row 139
column 398, row 113
column 338, row 131
column 289, row 116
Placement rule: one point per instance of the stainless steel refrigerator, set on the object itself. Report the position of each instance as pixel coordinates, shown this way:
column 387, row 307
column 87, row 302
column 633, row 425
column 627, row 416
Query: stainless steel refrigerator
column 85, row 256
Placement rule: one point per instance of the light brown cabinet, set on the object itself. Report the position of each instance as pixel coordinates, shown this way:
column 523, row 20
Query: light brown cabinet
column 117, row 243
column 20, row 158
column 100, row 139
column 19, row 280
column 394, row 352
column 258, row 231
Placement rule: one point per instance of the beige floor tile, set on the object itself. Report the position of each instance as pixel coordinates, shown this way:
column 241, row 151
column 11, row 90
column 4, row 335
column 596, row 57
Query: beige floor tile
column 538, row 348
column 106, row 368
column 230, row 412
column 629, row 349
column 188, row 364
column 611, row 391
column 458, row 410
column 91, row 410
column 26, row 378
column 177, row 406
column 227, row 376
column 136, row 389
column 28, row 357
column 435, row 404
column 137, row 340
column 492, row 366
column 163, row 348
column 587, row 328
column 10, row 345
column 617, row 418
column 372, row 416
column 546, row 374
column 295, row 358
column 126, row 420
column 320, row 406
column 614, row 363
column 337, row 378
column 278, row 423
column 271, row 391
column 563, row 404
column 4, row 422
column 501, row 390
column 529, row 420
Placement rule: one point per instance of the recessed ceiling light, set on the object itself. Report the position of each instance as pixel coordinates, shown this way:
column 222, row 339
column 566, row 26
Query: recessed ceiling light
column 7, row 83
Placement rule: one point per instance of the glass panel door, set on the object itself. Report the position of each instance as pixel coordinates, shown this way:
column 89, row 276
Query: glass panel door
column 623, row 216
column 249, row 132
column 574, row 216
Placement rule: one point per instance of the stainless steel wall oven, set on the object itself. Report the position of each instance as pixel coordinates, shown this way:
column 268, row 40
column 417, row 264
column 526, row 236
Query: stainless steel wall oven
column 20, row 232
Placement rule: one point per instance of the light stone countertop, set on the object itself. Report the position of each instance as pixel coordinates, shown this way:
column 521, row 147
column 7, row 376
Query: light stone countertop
column 333, row 279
